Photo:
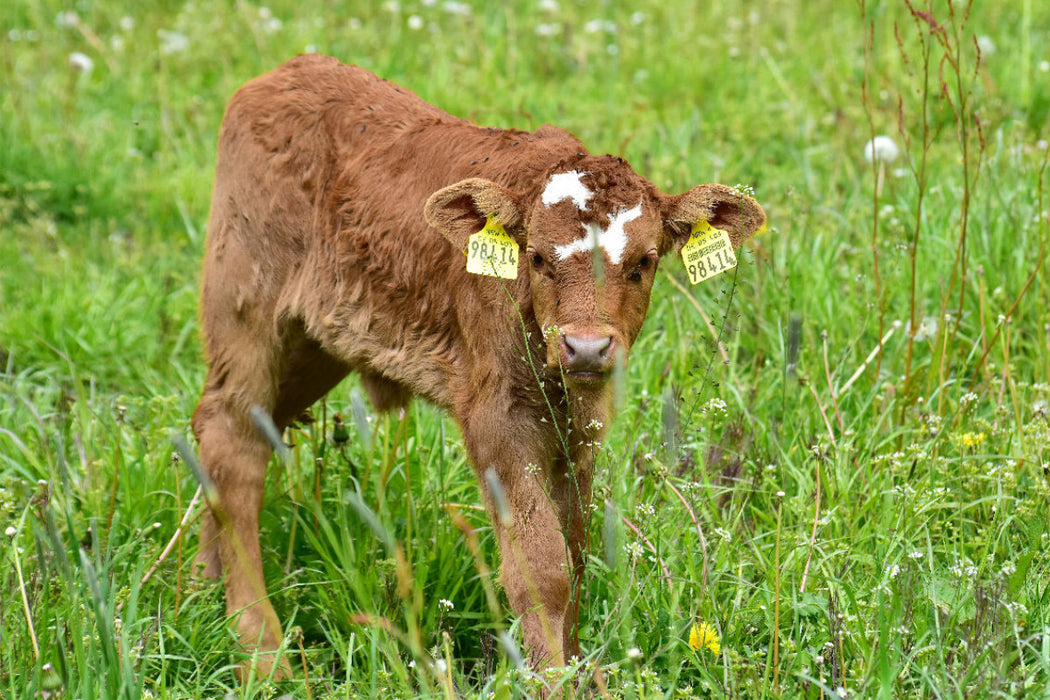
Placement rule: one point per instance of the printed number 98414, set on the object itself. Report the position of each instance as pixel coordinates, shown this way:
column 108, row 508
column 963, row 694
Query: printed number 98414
column 498, row 254
column 710, row 265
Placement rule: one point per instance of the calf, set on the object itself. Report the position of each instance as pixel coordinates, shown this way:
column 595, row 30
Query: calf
column 342, row 210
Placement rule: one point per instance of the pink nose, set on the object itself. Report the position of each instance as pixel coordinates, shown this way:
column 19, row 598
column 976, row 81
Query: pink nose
column 586, row 353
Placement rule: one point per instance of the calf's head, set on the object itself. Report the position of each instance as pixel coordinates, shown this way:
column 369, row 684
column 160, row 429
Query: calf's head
column 591, row 235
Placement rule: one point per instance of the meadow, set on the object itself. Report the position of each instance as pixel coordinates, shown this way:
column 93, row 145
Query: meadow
column 830, row 475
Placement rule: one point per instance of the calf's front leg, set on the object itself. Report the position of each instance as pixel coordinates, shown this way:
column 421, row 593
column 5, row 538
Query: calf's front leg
column 535, row 566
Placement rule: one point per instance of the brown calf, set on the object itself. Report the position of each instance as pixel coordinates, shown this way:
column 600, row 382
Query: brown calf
column 342, row 210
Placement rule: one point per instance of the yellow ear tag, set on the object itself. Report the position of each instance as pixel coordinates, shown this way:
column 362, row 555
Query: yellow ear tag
column 707, row 253
column 492, row 252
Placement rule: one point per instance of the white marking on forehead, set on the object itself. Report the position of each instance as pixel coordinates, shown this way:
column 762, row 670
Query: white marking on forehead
column 591, row 239
column 613, row 238
column 567, row 186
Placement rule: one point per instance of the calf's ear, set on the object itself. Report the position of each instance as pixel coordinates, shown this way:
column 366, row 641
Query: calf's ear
column 460, row 210
column 722, row 207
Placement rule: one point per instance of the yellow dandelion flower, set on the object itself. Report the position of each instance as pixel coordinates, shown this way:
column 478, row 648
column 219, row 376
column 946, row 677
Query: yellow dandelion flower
column 972, row 439
column 704, row 635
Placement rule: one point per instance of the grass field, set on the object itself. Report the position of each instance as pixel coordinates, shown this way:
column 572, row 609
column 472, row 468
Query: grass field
column 835, row 459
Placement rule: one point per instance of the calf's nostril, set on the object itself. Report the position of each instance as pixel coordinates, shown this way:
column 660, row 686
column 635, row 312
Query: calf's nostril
column 570, row 350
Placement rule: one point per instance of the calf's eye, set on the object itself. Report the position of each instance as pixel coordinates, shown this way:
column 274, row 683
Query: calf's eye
column 537, row 260
column 635, row 275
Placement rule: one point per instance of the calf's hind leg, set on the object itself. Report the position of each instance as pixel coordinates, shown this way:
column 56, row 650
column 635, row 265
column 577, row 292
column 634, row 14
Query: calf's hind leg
column 234, row 456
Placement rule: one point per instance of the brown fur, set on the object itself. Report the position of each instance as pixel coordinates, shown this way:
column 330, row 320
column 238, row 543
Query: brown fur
column 341, row 211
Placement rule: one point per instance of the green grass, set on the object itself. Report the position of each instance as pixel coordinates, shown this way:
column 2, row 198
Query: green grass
column 886, row 533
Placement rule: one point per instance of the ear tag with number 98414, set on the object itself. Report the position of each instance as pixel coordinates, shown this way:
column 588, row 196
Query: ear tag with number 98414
column 492, row 252
column 707, row 253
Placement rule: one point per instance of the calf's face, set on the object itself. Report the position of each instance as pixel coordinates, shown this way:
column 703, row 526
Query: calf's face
column 591, row 239
column 594, row 237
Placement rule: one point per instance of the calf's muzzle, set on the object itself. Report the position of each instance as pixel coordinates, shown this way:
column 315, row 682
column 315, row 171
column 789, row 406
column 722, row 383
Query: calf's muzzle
column 587, row 354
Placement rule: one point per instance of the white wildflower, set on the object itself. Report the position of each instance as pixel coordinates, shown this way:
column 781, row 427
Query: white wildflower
column 11, row 531
column 634, row 654
column 549, row 5
column 270, row 25
column 446, row 604
column 127, row 23
column 1016, row 609
column 415, row 23
column 81, row 62
column 986, row 45
column 882, row 149
column 714, row 405
column 172, row 42
column 596, row 26
column 927, row 329
column 637, row 18
column 67, row 20
column 546, row 29
column 456, row 8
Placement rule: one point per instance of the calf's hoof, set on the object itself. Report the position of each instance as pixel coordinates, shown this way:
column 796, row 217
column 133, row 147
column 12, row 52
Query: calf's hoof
column 260, row 635
column 264, row 664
